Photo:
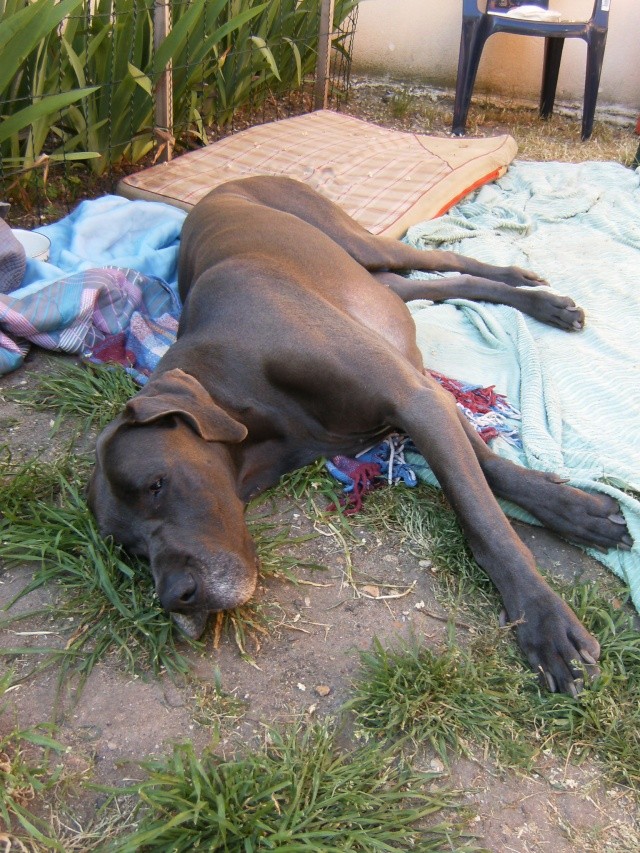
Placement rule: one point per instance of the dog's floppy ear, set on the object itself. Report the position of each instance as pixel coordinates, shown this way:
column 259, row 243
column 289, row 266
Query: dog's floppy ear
column 177, row 393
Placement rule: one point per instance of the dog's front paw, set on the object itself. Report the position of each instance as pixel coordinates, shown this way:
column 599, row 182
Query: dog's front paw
column 556, row 644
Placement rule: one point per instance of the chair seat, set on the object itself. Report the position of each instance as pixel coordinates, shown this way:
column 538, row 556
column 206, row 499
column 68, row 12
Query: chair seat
column 531, row 13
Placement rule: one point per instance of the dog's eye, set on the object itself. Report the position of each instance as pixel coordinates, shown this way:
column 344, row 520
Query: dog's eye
column 155, row 487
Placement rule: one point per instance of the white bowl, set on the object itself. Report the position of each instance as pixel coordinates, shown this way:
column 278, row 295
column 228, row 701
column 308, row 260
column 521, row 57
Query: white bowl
column 35, row 245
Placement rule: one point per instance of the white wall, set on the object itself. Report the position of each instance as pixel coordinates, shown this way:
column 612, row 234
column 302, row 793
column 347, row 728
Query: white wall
column 420, row 38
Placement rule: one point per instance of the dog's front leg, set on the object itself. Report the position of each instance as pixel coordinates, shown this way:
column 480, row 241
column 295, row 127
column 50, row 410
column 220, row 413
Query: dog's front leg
column 592, row 520
column 552, row 638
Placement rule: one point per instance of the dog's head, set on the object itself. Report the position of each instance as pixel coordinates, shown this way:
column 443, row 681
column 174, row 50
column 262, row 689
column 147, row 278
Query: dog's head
column 164, row 486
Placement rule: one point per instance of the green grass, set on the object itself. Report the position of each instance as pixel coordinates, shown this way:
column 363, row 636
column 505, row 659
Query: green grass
column 454, row 699
column 93, row 394
column 215, row 706
column 318, row 494
column 403, row 104
column 299, row 792
column 481, row 695
column 107, row 598
column 26, row 777
column 277, row 548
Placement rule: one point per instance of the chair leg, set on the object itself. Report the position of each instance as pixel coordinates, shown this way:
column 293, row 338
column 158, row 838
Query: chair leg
column 472, row 39
column 595, row 55
column 552, row 56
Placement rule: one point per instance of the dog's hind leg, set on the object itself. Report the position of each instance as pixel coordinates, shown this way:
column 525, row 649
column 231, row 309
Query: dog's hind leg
column 538, row 302
column 369, row 250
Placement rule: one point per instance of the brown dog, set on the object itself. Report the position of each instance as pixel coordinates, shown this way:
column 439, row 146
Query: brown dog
column 294, row 343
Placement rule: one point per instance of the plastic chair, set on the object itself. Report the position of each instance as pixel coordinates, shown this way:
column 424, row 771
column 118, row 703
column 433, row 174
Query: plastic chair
column 477, row 26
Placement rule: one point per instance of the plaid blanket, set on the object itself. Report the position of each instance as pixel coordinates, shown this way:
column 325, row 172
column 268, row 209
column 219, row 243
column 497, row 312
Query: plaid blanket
column 111, row 271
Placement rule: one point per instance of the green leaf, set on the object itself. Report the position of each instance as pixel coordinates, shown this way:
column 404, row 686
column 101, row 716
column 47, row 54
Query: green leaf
column 262, row 46
column 21, row 33
column 298, row 59
column 34, row 112
column 177, row 38
column 140, row 78
column 75, row 155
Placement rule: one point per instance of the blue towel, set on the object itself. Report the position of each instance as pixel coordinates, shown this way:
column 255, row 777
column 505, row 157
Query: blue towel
column 115, row 232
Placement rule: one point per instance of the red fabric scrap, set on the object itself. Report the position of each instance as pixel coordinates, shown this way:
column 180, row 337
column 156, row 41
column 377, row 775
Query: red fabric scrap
column 366, row 477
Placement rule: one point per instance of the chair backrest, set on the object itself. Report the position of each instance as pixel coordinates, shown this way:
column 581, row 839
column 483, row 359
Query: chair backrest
column 601, row 13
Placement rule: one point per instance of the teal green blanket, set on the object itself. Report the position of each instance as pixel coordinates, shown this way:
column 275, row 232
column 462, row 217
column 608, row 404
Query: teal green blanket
column 579, row 393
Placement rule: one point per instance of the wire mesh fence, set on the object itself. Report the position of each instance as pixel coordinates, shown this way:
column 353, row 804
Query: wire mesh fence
column 94, row 89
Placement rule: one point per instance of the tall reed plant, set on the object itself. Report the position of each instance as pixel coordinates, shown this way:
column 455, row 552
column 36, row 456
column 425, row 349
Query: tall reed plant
column 32, row 101
column 78, row 77
column 273, row 55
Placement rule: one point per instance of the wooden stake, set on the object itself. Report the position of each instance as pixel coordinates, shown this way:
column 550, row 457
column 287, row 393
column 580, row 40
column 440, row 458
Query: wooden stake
column 164, row 85
column 321, row 89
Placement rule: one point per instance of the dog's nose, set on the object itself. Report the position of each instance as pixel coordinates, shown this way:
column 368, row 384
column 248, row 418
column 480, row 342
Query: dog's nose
column 177, row 591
